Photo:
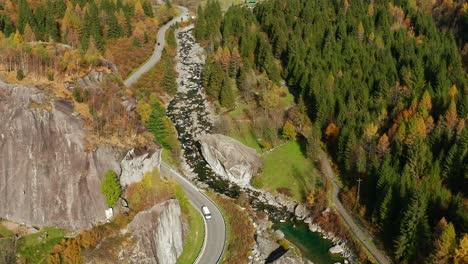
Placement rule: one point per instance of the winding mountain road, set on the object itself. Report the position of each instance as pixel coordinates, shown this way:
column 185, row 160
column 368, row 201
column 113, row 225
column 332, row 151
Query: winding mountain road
column 364, row 238
column 215, row 235
column 215, row 228
column 161, row 39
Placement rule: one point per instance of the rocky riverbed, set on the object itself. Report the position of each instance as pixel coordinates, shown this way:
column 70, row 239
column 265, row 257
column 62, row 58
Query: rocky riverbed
column 193, row 116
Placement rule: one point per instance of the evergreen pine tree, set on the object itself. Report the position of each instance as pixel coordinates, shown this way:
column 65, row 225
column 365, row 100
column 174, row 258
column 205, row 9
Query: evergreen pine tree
column 216, row 80
column 169, row 83
column 115, row 29
column 227, row 95
column 414, row 229
column 157, row 125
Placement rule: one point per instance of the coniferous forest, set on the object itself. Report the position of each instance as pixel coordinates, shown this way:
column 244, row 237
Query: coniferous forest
column 90, row 29
column 383, row 89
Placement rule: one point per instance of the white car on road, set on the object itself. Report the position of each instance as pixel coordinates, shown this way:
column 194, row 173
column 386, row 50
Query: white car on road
column 206, row 212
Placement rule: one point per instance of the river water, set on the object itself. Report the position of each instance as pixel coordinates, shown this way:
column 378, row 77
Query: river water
column 192, row 116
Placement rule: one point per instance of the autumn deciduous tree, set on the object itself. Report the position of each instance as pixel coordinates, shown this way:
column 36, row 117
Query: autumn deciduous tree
column 289, row 132
column 143, row 109
column 92, row 54
column 444, row 244
column 331, row 132
column 461, row 252
column 382, row 145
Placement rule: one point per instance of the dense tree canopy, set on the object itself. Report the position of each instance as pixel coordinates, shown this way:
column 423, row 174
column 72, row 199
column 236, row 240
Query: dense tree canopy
column 388, row 91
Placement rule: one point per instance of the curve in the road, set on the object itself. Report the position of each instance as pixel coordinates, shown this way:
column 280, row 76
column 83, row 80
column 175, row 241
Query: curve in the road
column 361, row 235
column 158, row 48
column 215, row 228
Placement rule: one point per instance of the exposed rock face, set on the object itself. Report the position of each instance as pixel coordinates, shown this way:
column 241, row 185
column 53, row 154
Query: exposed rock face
column 337, row 249
column 290, row 258
column 229, row 158
column 268, row 251
column 46, row 176
column 157, row 234
column 136, row 163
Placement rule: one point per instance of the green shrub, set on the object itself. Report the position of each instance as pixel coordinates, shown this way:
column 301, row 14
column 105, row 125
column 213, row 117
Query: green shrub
column 19, row 75
column 77, row 95
column 110, row 187
column 50, row 76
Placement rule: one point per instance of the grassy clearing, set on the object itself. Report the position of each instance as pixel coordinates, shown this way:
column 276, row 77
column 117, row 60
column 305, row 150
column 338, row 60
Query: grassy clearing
column 194, row 238
column 33, row 249
column 288, row 170
column 246, row 136
column 5, row 232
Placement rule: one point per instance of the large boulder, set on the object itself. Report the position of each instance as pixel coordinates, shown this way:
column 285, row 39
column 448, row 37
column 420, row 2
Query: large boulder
column 337, row 249
column 229, row 158
column 158, row 235
column 136, row 163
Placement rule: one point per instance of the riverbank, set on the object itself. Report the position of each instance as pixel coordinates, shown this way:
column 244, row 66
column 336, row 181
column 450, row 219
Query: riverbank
column 193, row 116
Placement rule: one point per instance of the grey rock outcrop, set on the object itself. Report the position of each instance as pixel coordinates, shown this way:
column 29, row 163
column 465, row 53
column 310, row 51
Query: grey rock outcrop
column 337, row 249
column 158, row 234
column 266, row 247
column 136, row 163
column 47, row 178
column 289, row 258
column 229, row 158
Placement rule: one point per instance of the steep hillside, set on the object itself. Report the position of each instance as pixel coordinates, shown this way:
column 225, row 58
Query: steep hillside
column 378, row 84
column 46, row 175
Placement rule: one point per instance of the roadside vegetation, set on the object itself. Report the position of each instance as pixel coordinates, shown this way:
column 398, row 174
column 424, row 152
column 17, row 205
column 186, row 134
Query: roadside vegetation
column 152, row 189
column 153, row 90
column 239, row 231
column 194, row 237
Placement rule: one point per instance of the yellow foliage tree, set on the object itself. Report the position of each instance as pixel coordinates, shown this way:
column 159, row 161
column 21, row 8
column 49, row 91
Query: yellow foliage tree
column 29, row 34
column 143, row 109
column 370, row 130
column 451, row 116
column 461, row 252
column 17, row 38
column 139, row 12
column 453, row 92
column 92, row 54
column 425, row 105
column 289, row 132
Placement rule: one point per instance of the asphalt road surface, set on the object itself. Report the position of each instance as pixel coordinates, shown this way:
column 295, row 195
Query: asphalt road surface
column 215, row 234
column 359, row 233
column 157, row 49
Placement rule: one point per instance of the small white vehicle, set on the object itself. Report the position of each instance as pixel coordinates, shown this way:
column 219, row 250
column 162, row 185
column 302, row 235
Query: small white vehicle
column 206, row 212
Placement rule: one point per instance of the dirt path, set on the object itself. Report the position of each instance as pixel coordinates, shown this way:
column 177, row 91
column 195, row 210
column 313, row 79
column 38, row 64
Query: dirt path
column 362, row 235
